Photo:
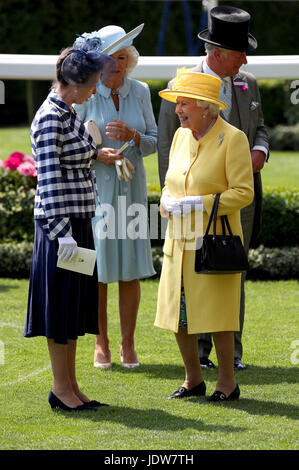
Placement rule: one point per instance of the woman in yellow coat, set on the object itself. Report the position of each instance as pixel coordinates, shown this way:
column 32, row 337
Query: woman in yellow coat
column 207, row 156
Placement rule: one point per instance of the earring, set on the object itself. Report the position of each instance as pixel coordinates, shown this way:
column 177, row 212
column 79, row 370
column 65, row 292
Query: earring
column 204, row 116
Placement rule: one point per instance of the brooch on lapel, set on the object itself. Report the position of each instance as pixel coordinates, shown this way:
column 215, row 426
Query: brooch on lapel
column 240, row 83
column 220, row 138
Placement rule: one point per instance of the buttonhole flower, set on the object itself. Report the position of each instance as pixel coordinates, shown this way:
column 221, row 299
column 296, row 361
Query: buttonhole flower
column 240, row 83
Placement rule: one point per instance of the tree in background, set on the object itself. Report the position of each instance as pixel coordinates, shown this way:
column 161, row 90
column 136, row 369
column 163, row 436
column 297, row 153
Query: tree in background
column 45, row 26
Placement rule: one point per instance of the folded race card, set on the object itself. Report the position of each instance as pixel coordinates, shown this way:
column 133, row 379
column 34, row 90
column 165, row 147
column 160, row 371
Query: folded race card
column 83, row 262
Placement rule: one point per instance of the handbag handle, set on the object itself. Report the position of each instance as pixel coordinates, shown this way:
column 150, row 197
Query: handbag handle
column 215, row 206
column 213, row 217
column 224, row 221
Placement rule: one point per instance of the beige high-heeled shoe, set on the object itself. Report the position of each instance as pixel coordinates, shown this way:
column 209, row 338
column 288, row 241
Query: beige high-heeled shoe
column 101, row 365
column 128, row 365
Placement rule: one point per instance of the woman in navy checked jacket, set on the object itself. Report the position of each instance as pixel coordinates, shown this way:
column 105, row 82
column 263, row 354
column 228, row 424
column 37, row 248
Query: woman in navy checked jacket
column 62, row 304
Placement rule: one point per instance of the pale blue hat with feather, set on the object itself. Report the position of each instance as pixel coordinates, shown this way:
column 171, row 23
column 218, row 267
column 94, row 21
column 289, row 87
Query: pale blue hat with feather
column 110, row 39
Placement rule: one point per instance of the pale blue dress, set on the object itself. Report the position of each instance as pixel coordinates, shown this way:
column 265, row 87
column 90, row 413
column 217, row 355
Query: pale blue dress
column 121, row 226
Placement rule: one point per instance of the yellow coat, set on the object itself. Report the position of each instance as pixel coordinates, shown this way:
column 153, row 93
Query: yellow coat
column 218, row 162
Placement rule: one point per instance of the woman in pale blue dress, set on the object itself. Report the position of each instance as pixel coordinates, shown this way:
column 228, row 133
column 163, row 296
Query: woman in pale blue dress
column 122, row 110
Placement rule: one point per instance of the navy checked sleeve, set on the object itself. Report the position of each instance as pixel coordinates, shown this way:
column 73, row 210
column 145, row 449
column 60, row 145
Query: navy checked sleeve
column 47, row 136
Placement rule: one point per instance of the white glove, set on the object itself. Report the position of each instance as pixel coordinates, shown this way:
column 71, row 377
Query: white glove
column 183, row 205
column 193, row 203
column 127, row 167
column 67, row 248
column 170, row 204
column 118, row 167
column 124, row 168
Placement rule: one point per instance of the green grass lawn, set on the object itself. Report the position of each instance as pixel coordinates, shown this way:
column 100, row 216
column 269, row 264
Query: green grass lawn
column 14, row 139
column 139, row 416
column 281, row 170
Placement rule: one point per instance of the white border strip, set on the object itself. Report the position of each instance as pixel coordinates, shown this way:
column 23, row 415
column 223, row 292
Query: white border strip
column 21, row 379
column 43, row 67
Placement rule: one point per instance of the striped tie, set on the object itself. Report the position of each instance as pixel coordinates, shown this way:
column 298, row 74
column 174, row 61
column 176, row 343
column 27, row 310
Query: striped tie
column 226, row 97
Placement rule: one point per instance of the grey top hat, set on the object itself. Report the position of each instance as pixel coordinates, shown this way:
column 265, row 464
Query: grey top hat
column 229, row 29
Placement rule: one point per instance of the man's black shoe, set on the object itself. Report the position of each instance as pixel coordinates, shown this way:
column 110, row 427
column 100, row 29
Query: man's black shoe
column 206, row 363
column 238, row 364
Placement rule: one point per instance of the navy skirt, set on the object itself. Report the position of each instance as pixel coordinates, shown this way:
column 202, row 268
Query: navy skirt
column 62, row 304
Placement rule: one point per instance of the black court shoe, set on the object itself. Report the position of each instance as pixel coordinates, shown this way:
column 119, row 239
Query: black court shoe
column 182, row 392
column 56, row 403
column 94, row 403
column 220, row 396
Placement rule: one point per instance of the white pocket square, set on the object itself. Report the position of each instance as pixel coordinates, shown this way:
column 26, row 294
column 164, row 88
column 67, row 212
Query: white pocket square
column 253, row 105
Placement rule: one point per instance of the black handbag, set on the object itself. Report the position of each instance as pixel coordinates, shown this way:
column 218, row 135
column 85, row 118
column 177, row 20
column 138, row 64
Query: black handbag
column 220, row 254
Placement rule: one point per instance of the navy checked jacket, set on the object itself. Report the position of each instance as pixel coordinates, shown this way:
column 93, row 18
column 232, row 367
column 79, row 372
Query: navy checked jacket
column 63, row 152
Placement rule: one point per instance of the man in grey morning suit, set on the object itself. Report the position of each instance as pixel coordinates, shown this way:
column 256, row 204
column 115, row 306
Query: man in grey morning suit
column 227, row 40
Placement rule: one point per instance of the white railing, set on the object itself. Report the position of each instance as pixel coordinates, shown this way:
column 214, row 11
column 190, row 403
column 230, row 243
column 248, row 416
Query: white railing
column 42, row 67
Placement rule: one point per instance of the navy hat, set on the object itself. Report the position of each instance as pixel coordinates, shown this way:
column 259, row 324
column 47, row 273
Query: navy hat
column 229, row 29
column 82, row 61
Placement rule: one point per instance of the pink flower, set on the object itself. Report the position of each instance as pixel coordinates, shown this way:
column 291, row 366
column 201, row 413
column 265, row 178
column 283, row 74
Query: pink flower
column 13, row 161
column 27, row 169
column 18, row 155
column 23, row 164
column 28, row 158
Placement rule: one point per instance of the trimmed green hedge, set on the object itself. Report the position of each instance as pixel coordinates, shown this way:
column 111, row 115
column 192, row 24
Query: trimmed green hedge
column 16, row 206
column 265, row 263
column 15, row 259
column 280, row 221
column 273, row 263
column 280, row 225
column 278, row 103
column 16, row 215
column 277, row 258
column 284, row 137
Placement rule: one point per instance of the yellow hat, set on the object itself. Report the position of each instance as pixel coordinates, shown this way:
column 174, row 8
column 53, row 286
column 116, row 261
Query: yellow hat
column 200, row 86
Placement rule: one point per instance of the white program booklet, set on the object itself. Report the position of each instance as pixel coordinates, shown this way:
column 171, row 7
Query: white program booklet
column 83, row 262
